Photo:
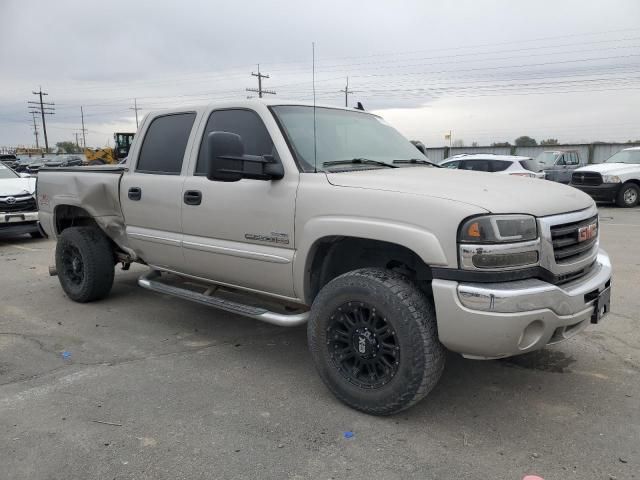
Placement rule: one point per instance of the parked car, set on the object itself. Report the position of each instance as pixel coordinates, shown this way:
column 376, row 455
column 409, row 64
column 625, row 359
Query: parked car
column 617, row 179
column 489, row 162
column 18, row 210
column 57, row 161
column 295, row 213
column 9, row 160
column 558, row 165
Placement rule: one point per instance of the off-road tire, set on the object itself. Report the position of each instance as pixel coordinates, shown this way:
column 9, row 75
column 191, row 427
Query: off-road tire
column 409, row 311
column 628, row 196
column 97, row 260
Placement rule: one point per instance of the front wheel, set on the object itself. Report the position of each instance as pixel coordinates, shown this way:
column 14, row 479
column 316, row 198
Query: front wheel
column 628, row 195
column 373, row 339
column 85, row 263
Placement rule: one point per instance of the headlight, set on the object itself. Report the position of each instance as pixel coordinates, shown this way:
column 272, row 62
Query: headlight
column 499, row 242
column 611, row 179
column 499, row 229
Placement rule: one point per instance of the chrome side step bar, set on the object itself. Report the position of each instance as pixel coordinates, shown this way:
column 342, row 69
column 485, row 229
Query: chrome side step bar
column 150, row 281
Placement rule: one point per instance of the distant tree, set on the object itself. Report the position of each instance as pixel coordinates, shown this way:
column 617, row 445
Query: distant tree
column 474, row 144
column 525, row 141
column 500, row 144
column 67, row 147
column 633, row 141
column 458, row 143
column 549, row 141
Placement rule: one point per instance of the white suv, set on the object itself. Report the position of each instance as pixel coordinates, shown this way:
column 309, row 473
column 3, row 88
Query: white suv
column 617, row 179
column 489, row 162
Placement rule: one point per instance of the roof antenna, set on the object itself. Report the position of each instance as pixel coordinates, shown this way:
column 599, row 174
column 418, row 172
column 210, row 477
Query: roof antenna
column 360, row 107
column 313, row 77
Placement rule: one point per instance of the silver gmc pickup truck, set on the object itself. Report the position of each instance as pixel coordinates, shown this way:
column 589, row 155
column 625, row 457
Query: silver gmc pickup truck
column 291, row 214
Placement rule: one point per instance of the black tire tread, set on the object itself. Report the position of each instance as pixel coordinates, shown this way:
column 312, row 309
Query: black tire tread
column 430, row 361
column 98, row 258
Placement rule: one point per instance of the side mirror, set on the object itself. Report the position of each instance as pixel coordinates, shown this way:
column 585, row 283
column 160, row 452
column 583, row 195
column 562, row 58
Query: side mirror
column 225, row 152
column 227, row 162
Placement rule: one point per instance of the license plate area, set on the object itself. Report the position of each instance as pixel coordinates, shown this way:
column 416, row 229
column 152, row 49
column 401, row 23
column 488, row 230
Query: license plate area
column 601, row 305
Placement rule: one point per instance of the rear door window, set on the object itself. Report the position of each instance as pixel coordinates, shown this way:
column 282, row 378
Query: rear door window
column 476, row 165
column 499, row 165
column 164, row 144
column 454, row 164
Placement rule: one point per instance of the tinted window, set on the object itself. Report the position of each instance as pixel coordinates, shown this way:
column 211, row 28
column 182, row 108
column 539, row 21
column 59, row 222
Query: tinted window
column 499, row 165
column 454, row 164
column 164, row 144
column 477, row 165
column 245, row 123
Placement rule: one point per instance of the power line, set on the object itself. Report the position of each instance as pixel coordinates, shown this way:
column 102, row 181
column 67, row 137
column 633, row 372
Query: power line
column 260, row 90
column 135, row 107
column 84, row 130
column 346, row 92
column 35, row 128
column 43, row 108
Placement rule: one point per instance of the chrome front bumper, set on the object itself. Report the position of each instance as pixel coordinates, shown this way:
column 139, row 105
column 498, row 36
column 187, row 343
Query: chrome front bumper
column 495, row 320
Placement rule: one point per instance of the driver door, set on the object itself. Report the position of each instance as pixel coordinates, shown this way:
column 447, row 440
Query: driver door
column 240, row 233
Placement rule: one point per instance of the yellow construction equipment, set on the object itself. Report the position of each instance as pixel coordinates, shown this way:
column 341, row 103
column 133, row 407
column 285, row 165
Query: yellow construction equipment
column 108, row 155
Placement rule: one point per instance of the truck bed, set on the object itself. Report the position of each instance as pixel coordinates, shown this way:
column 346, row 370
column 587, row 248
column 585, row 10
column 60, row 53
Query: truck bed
column 93, row 189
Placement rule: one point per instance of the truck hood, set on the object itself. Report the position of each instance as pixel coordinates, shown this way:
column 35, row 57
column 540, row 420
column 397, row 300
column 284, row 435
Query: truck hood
column 17, row 186
column 610, row 168
column 494, row 193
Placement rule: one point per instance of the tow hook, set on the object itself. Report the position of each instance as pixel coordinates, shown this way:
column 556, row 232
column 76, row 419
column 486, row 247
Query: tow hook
column 52, row 271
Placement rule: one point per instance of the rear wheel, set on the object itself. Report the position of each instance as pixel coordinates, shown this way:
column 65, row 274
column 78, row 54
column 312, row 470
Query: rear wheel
column 372, row 335
column 628, row 195
column 85, row 263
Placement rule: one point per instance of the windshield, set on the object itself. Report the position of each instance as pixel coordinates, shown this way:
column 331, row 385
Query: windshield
column 548, row 159
column 625, row 156
column 342, row 135
column 6, row 172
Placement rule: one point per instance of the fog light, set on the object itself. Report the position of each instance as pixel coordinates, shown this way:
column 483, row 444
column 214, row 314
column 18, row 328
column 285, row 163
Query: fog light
column 501, row 260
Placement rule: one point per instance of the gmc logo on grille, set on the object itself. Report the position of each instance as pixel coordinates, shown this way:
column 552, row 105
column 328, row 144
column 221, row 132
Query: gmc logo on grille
column 588, row 232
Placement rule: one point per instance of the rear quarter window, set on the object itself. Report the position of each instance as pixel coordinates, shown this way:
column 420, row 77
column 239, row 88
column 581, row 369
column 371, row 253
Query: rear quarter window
column 530, row 165
column 164, row 144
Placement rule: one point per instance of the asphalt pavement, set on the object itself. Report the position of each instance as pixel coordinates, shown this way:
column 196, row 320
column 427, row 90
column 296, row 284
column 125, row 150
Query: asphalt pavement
column 145, row 386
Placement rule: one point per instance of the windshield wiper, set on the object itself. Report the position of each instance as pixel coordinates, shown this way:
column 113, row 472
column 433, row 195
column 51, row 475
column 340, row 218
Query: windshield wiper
column 417, row 161
column 357, row 161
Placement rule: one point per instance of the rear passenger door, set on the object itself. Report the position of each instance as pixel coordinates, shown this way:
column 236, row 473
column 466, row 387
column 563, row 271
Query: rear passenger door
column 240, row 233
column 151, row 192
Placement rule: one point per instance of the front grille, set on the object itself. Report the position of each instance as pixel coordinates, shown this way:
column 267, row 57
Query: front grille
column 566, row 245
column 22, row 204
column 586, row 178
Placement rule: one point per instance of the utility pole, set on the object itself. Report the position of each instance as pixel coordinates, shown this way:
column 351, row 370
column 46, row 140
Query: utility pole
column 77, row 146
column 346, row 92
column 35, row 128
column 135, row 107
column 43, row 108
column 260, row 90
column 84, row 130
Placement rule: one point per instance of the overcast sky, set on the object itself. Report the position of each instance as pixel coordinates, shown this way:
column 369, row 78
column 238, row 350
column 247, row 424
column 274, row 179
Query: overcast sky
column 487, row 70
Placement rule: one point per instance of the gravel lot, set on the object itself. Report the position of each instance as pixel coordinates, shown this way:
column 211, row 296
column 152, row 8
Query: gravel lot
column 189, row 392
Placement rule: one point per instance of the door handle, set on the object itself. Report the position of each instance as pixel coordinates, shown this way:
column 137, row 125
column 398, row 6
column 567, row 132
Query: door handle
column 135, row 193
column 193, row 197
